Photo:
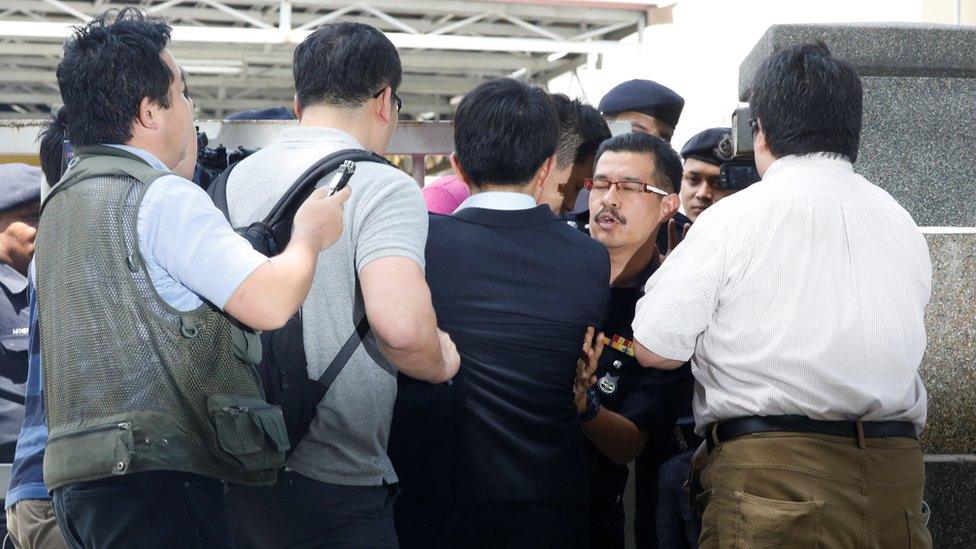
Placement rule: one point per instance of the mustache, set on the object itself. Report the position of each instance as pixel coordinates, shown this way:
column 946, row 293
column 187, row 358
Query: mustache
column 612, row 213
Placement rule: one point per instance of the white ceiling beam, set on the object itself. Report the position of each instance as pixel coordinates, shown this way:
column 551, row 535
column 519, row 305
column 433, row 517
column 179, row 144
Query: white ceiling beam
column 23, row 29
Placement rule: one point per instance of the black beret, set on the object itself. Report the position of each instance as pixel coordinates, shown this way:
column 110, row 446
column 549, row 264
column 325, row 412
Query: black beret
column 708, row 146
column 271, row 113
column 20, row 185
column 644, row 96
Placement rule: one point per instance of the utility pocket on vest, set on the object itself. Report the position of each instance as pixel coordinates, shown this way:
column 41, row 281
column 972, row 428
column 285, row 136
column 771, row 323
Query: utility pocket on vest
column 89, row 452
column 251, row 431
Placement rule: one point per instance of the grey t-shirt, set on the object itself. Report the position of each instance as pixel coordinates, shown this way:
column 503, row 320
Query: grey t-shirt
column 385, row 216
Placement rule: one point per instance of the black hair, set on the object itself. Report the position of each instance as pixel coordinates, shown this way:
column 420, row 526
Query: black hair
column 51, row 145
column 581, row 130
column 807, row 102
column 667, row 164
column 110, row 65
column 504, row 130
column 344, row 64
column 594, row 130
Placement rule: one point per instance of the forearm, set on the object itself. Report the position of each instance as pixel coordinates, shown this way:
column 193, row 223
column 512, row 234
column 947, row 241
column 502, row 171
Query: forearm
column 420, row 359
column 275, row 290
column 615, row 436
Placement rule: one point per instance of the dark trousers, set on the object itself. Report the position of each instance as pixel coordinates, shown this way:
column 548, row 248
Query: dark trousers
column 647, row 468
column 492, row 526
column 678, row 525
column 303, row 512
column 154, row 509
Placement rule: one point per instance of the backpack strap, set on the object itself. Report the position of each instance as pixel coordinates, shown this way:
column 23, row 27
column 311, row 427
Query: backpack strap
column 335, row 367
column 218, row 190
column 305, row 184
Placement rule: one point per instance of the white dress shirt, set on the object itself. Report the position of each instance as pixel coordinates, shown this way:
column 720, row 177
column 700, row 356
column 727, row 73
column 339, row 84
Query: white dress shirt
column 498, row 200
column 803, row 294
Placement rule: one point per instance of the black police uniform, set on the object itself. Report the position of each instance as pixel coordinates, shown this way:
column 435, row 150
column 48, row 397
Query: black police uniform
column 650, row 398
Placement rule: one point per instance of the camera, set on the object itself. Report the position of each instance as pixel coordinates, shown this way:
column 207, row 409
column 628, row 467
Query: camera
column 738, row 169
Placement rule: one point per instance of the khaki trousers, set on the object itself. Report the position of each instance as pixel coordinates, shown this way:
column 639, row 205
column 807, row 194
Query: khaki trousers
column 31, row 525
column 797, row 491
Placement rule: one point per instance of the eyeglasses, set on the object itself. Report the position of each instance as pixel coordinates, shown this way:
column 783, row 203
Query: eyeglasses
column 754, row 124
column 601, row 186
column 396, row 98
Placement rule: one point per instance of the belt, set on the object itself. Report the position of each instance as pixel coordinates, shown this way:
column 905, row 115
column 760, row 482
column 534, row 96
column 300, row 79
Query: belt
column 734, row 428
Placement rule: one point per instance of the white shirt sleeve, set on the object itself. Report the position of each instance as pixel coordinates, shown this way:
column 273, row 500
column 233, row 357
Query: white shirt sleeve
column 681, row 297
column 190, row 249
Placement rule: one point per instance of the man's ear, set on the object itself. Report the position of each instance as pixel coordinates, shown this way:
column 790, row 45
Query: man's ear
column 459, row 170
column 383, row 106
column 669, row 206
column 298, row 107
column 148, row 114
column 542, row 176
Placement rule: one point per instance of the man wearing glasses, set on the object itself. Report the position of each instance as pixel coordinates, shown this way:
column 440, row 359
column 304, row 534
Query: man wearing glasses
column 624, row 407
column 339, row 485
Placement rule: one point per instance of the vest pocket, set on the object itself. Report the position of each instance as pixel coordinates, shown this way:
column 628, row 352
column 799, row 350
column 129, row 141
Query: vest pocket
column 88, row 452
column 762, row 523
column 250, row 431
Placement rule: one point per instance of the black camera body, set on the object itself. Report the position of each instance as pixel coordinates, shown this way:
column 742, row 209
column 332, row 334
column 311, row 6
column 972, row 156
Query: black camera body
column 738, row 169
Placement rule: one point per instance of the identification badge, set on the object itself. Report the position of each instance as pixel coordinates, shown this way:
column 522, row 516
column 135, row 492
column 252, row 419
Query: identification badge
column 608, row 384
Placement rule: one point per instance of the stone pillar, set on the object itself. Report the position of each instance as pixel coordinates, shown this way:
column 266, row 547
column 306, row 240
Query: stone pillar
column 919, row 144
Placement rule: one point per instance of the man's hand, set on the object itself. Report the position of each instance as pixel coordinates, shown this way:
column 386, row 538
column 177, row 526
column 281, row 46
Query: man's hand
column 452, row 360
column 318, row 220
column 675, row 235
column 586, row 367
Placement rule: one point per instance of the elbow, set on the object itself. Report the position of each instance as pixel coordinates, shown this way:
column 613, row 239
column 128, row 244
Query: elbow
column 402, row 337
column 624, row 456
column 265, row 320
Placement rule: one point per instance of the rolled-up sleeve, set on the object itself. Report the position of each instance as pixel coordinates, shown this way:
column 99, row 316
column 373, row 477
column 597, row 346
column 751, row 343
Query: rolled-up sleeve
column 681, row 297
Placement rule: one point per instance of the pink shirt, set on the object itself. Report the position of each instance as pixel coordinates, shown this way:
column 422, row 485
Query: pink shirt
column 444, row 195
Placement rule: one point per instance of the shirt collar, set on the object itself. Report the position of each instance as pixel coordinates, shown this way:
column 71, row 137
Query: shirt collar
column 829, row 162
column 316, row 133
column 143, row 154
column 14, row 281
column 498, row 200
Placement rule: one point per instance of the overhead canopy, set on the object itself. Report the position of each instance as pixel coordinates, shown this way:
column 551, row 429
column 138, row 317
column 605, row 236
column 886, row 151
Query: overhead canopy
column 238, row 52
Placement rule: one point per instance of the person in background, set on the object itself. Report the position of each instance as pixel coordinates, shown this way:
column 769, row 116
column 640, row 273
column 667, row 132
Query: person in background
column 581, row 130
column 701, row 182
column 30, row 514
column 628, row 408
column 20, row 196
column 646, row 105
column 445, row 194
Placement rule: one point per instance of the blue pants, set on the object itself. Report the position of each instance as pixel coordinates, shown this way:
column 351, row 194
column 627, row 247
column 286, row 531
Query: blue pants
column 154, row 509
column 678, row 525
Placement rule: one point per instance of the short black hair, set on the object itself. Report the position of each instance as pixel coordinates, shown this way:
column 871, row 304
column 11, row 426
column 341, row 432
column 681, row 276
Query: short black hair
column 504, row 130
column 110, row 65
column 667, row 164
column 581, row 130
column 344, row 64
column 594, row 129
column 807, row 102
column 52, row 144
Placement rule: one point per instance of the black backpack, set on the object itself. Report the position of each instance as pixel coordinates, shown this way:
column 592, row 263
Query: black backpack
column 283, row 367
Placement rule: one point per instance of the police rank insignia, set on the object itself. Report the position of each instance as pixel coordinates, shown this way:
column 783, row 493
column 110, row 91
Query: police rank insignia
column 622, row 344
column 608, row 384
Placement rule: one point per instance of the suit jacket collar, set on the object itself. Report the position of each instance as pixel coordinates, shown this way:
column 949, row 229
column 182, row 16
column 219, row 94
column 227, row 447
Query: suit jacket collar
column 507, row 218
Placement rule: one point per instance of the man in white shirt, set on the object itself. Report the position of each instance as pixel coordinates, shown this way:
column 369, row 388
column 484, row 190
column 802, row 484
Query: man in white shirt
column 801, row 304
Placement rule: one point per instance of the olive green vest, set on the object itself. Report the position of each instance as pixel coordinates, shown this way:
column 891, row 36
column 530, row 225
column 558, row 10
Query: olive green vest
column 130, row 383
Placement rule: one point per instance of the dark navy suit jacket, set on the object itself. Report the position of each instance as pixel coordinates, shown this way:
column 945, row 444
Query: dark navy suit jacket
column 516, row 291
